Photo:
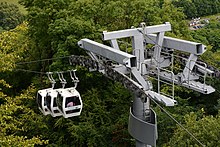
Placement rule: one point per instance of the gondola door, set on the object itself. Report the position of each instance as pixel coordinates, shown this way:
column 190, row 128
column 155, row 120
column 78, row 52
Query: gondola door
column 69, row 101
column 52, row 104
column 41, row 101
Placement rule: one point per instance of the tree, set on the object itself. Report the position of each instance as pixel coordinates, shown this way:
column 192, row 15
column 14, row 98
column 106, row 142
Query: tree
column 168, row 13
column 209, row 7
column 10, row 16
column 209, row 35
column 198, row 8
column 16, row 120
column 40, row 15
column 15, row 46
column 206, row 130
column 188, row 6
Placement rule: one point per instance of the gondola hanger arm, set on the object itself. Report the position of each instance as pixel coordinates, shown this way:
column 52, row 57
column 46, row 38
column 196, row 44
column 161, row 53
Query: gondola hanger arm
column 61, row 78
column 50, row 77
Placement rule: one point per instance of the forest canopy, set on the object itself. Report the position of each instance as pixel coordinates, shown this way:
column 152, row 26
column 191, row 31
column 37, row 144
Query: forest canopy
column 52, row 28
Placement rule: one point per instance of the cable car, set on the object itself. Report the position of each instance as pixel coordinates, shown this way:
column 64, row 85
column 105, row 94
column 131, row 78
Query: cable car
column 41, row 101
column 69, row 102
column 52, row 104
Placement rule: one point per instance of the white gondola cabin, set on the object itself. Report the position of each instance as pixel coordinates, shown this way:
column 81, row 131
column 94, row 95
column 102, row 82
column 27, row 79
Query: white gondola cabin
column 41, row 101
column 69, row 102
column 51, row 103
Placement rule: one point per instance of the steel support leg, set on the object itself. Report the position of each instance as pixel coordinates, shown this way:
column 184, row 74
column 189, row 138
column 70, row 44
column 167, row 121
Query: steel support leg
column 139, row 110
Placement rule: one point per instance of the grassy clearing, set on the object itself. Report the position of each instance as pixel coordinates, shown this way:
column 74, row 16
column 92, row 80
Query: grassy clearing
column 212, row 17
column 21, row 8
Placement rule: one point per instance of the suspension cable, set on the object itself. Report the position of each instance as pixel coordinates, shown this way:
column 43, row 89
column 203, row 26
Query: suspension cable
column 42, row 60
column 30, row 71
column 44, row 73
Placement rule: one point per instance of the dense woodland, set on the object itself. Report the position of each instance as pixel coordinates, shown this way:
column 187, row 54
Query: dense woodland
column 51, row 29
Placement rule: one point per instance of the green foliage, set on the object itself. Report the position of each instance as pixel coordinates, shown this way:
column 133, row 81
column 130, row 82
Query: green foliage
column 178, row 21
column 14, row 47
column 15, row 2
column 209, row 35
column 166, row 126
column 10, row 16
column 188, row 6
column 206, row 130
column 13, row 44
column 192, row 8
column 18, row 122
column 169, row 13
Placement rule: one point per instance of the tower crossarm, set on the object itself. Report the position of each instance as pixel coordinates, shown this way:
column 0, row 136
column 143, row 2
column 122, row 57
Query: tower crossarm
column 178, row 44
column 135, row 31
column 108, row 52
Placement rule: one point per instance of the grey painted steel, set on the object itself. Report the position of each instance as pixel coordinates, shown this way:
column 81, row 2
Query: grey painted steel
column 137, row 111
column 178, row 44
column 142, row 119
column 189, row 66
column 139, row 144
column 204, row 70
column 121, row 69
column 159, row 42
column 145, row 132
column 138, row 49
column 157, row 28
column 138, row 108
column 135, row 32
column 145, row 83
column 114, row 44
column 119, row 34
column 93, row 56
column 108, row 52
column 197, row 86
column 161, row 98
column 157, row 51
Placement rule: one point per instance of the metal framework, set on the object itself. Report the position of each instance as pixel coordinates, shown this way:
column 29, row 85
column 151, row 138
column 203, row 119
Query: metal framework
column 134, row 70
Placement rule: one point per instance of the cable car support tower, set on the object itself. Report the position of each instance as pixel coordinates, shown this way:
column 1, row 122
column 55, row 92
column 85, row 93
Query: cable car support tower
column 134, row 70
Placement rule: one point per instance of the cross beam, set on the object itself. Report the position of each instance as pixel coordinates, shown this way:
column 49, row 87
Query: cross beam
column 108, row 52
